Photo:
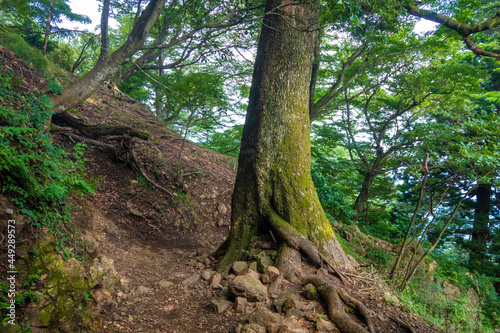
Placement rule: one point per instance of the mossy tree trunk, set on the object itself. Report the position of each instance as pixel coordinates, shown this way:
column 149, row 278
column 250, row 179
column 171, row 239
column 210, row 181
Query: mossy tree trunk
column 273, row 185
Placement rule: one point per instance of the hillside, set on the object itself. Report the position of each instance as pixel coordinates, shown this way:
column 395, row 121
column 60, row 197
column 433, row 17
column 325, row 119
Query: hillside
column 158, row 215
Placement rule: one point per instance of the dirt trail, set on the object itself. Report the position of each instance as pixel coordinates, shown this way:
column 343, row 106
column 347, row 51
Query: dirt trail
column 153, row 298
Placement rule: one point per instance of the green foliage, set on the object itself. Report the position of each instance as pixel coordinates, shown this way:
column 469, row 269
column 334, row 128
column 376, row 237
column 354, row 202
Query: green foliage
column 32, row 55
column 226, row 142
column 40, row 176
column 334, row 202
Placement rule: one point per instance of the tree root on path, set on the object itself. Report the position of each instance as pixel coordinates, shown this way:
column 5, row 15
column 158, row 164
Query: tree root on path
column 331, row 292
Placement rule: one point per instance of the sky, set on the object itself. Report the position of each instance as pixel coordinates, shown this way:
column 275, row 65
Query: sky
column 91, row 9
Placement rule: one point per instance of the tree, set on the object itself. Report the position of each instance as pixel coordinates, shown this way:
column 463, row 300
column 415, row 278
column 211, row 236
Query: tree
column 273, row 188
column 104, row 30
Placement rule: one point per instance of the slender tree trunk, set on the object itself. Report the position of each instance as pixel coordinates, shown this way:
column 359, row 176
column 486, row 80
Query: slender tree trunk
column 361, row 203
column 273, row 184
column 104, row 31
column 83, row 88
column 47, row 27
column 480, row 229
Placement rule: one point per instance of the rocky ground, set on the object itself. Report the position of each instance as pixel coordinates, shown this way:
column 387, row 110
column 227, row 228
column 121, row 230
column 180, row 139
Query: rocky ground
column 157, row 221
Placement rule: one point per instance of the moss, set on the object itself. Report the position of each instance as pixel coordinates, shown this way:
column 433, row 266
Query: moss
column 64, row 307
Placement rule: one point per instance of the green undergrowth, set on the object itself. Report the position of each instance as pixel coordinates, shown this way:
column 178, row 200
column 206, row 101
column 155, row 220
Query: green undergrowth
column 15, row 42
column 40, row 177
column 474, row 307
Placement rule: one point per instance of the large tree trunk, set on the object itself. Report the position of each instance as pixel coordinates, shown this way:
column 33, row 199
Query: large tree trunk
column 274, row 190
column 83, row 88
column 480, row 229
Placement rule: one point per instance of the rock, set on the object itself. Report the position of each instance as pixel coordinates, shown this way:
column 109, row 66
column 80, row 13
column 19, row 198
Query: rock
column 263, row 262
column 224, row 293
column 473, row 298
column 220, row 305
column 391, row 299
column 295, row 313
column 9, row 211
column 253, row 265
column 324, row 326
column 293, row 302
column 279, row 302
column 143, row 290
column 240, row 267
column 240, row 304
column 104, row 299
column 191, row 280
column 222, row 209
column 275, row 285
column 273, row 327
column 270, row 275
column 165, row 284
column 451, row 291
column 262, row 316
column 291, row 325
column 136, row 212
column 216, row 280
column 253, row 273
column 310, row 292
column 206, row 275
column 253, row 328
column 248, row 287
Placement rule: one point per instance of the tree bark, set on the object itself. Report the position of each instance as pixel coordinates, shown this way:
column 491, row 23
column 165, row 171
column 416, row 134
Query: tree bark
column 47, row 27
column 480, row 229
column 273, row 184
column 361, row 203
column 104, row 31
column 83, row 88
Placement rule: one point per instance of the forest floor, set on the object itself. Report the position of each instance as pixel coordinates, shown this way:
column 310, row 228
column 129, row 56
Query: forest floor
column 161, row 236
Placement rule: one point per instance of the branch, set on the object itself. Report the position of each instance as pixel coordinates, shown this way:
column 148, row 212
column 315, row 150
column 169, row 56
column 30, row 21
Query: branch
column 463, row 29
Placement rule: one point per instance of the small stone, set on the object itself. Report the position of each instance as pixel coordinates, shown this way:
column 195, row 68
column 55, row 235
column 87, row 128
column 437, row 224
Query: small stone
column 191, row 280
column 253, row 328
column 253, row 265
column 291, row 325
column 295, row 313
column 165, row 284
column 270, row 275
column 216, row 280
column 222, row 209
column 263, row 262
column 220, row 305
column 206, row 275
column 143, row 290
column 136, row 212
column 293, row 302
column 310, row 292
column 249, row 287
column 9, row 211
column 324, row 326
column 240, row 267
column 391, row 299
column 253, row 273
column 263, row 316
column 241, row 304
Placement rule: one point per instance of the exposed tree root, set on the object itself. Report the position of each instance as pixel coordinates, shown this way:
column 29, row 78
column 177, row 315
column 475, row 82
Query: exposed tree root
column 403, row 324
column 302, row 244
column 333, row 296
column 99, row 131
column 332, row 293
